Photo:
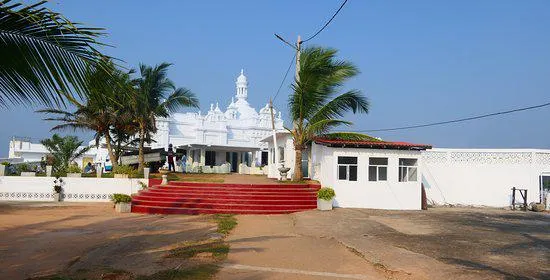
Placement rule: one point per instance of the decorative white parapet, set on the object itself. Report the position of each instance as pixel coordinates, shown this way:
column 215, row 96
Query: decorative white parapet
column 18, row 188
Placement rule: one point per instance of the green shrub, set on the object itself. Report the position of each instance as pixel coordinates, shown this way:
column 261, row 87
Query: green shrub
column 326, row 193
column 125, row 169
column 5, row 163
column 74, row 169
column 23, row 168
column 119, row 197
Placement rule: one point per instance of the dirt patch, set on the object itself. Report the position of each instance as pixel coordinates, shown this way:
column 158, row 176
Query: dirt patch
column 91, row 240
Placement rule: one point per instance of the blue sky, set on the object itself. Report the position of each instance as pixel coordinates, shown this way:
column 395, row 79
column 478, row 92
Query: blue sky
column 420, row 61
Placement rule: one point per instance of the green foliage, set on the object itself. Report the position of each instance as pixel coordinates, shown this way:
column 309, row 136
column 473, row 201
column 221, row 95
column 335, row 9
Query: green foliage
column 73, row 168
column 226, row 222
column 143, row 186
column 200, row 272
column 125, row 169
column 156, row 96
column 219, row 250
column 23, row 167
column 64, row 150
column 43, row 55
column 316, row 105
column 118, row 198
column 105, row 109
column 326, row 193
column 5, row 163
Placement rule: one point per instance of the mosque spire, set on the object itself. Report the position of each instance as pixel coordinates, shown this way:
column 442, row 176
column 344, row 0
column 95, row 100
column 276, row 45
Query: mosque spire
column 242, row 86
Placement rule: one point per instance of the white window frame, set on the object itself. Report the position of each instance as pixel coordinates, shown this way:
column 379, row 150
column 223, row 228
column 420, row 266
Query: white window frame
column 378, row 168
column 407, row 170
column 347, row 165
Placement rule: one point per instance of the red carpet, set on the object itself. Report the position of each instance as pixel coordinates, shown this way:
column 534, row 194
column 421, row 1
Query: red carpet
column 217, row 198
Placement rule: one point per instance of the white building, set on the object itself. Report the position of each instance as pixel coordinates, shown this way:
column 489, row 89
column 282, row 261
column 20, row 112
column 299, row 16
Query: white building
column 211, row 140
column 218, row 137
column 390, row 175
column 364, row 174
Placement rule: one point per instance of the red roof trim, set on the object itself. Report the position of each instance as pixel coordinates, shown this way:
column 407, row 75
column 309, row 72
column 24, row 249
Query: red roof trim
column 371, row 144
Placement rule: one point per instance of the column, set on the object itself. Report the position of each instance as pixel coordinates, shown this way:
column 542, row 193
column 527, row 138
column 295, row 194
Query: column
column 203, row 157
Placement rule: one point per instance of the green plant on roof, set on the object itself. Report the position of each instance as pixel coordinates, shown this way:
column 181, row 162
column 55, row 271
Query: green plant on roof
column 326, row 193
column 5, row 163
column 121, row 198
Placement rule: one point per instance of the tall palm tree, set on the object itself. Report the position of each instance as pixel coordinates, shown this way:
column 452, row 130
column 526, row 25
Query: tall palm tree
column 64, row 150
column 316, row 105
column 156, row 96
column 43, row 55
column 104, row 109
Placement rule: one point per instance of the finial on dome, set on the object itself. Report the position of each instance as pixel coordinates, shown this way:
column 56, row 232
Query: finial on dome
column 242, row 71
column 211, row 106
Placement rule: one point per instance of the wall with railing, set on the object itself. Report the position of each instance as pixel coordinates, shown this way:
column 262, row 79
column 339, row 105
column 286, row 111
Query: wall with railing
column 17, row 188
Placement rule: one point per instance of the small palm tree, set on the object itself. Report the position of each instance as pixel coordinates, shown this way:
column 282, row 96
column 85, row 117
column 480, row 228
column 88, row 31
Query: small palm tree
column 315, row 105
column 43, row 55
column 105, row 107
column 156, row 96
column 64, row 150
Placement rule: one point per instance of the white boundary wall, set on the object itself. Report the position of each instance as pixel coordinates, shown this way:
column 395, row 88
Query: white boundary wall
column 482, row 177
column 75, row 189
column 390, row 194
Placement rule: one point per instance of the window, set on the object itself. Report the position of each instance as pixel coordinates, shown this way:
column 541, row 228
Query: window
column 347, row 168
column 407, row 169
column 378, row 169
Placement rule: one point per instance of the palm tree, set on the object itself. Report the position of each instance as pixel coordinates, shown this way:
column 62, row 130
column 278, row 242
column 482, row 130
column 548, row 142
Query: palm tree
column 104, row 109
column 156, row 96
column 316, row 105
column 43, row 55
column 64, row 150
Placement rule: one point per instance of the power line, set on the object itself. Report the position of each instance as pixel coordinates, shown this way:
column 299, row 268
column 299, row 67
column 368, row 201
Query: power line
column 284, row 78
column 326, row 24
column 458, row 120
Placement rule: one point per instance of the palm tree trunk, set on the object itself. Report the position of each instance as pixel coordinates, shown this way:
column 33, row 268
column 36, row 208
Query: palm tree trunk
column 141, row 157
column 112, row 158
column 298, row 176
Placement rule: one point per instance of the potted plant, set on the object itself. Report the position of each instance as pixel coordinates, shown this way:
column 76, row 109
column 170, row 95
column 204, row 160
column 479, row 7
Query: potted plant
column 3, row 167
column 122, row 202
column 50, row 160
column 74, row 171
column 57, row 189
column 325, row 197
column 123, row 171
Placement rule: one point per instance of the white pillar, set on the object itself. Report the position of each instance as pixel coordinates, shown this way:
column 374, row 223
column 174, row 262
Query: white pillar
column 203, row 157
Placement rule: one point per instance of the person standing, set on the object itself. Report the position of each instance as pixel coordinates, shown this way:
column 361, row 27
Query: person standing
column 183, row 163
column 170, row 155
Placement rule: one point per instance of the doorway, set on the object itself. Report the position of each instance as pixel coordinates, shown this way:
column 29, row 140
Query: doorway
column 210, row 158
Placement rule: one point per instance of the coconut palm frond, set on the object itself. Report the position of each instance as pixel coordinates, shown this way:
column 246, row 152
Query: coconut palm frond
column 43, row 55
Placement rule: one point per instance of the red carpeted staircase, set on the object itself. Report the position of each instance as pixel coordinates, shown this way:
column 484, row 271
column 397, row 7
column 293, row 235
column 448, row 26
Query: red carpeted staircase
column 214, row 198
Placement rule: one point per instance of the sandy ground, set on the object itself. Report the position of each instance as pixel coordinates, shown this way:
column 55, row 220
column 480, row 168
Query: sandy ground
column 38, row 239
column 443, row 243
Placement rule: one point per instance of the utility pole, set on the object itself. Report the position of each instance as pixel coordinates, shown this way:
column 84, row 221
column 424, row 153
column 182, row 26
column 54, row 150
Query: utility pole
column 298, row 49
column 276, row 150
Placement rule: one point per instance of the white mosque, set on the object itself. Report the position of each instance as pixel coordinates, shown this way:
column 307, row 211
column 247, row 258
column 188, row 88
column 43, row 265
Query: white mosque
column 210, row 140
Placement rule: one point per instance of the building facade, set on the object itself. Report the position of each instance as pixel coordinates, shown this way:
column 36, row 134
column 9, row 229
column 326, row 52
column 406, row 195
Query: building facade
column 218, row 141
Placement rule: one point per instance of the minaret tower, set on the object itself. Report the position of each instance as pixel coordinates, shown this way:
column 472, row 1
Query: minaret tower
column 242, row 86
